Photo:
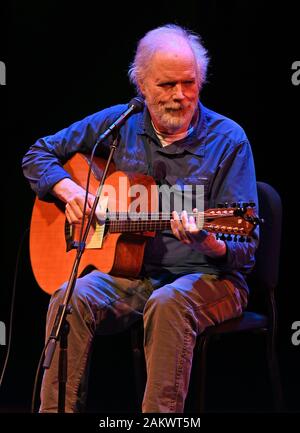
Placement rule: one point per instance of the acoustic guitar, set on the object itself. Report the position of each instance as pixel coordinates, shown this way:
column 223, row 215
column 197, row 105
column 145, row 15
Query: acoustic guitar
column 119, row 232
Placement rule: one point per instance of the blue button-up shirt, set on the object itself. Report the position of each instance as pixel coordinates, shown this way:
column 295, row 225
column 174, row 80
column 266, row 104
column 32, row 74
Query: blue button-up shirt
column 216, row 154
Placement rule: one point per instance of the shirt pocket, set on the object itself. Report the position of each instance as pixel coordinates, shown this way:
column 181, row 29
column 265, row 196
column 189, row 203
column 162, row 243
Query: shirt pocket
column 199, row 185
column 193, row 190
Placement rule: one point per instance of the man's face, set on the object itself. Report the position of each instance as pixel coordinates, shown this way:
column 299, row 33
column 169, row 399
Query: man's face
column 171, row 89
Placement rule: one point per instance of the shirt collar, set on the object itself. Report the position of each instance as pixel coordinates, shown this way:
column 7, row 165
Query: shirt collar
column 193, row 143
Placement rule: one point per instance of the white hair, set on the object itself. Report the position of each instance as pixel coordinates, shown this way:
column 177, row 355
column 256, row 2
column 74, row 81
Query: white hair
column 155, row 40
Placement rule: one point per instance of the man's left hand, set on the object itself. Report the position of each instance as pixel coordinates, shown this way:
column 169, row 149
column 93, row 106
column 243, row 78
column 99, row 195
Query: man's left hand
column 185, row 229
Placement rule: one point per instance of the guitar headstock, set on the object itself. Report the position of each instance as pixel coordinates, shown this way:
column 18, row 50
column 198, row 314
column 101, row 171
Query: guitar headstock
column 235, row 223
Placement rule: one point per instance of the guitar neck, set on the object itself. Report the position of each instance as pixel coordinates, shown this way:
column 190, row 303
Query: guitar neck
column 139, row 222
column 135, row 224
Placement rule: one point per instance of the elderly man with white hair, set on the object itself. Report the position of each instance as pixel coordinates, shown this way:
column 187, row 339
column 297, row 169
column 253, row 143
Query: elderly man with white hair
column 190, row 278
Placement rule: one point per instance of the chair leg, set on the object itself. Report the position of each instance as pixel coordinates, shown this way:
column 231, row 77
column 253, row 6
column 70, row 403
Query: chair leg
column 139, row 363
column 200, row 373
column 274, row 373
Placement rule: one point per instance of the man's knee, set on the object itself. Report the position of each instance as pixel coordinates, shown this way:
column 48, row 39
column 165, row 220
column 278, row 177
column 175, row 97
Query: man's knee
column 165, row 299
column 81, row 295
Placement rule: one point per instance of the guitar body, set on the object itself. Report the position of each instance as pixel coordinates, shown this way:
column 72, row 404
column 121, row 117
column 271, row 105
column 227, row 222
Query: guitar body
column 117, row 240
column 120, row 254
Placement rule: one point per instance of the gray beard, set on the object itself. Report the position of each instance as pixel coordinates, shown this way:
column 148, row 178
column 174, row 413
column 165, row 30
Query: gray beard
column 169, row 121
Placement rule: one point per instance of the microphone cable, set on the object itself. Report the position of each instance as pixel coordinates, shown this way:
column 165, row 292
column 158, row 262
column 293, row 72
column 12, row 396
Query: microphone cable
column 12, row 304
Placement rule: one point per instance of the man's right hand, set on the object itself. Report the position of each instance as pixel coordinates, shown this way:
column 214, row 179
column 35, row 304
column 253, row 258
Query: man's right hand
column 73, row 195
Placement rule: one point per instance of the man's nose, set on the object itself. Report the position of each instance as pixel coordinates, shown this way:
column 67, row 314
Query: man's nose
column 178, row 93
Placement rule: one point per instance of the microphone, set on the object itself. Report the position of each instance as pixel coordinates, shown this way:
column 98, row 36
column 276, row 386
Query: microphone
column 135, row 106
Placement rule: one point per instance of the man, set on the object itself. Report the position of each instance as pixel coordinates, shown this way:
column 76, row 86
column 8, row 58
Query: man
column 190, row 279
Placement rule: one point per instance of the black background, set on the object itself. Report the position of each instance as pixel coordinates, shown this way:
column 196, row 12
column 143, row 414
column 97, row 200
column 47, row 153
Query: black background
column 65, row 61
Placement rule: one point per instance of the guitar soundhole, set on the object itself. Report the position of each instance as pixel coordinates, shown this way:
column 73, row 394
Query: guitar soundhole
column 94, row 240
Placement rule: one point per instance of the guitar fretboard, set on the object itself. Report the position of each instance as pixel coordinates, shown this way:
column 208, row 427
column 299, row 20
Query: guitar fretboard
column 141, row 222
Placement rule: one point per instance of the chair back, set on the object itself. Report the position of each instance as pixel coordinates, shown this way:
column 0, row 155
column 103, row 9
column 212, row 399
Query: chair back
column 266, row 268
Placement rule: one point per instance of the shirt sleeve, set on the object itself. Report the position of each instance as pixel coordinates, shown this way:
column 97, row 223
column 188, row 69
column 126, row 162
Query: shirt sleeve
column 43, row 163
column 235, row 182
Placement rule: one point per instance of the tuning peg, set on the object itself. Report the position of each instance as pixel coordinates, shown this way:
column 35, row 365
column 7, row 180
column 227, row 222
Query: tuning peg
column 223, row 237
column 229, row 238
column 235, row 239
column 242, row 239
column 252, row 204
column 217, row 236
column 226, row 204
column 245, row 204
column 239, row 211
column 220, row 205
column 234, row 204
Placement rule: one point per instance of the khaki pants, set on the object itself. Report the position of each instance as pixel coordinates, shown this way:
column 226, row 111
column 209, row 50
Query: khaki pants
column 174, row 309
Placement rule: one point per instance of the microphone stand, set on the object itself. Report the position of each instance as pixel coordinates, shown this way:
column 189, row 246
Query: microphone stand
column 61, row 326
